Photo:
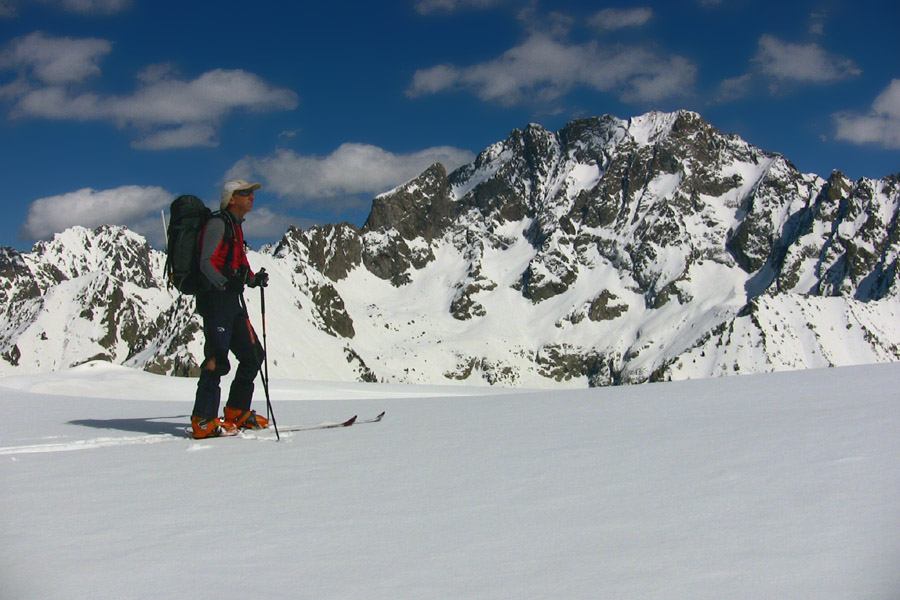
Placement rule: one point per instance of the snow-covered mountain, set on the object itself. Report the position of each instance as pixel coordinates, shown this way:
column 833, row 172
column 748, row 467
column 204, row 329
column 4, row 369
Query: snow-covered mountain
column 611, row 251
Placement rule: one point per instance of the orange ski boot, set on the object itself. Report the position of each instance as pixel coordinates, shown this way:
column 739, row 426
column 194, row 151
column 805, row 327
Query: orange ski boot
column 245, row 419
column 204, row 428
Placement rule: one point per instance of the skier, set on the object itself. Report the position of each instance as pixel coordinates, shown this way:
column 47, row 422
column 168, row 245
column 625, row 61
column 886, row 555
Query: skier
column 226, row 324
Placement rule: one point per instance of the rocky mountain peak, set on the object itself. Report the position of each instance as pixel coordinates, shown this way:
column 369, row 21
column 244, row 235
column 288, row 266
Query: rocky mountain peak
column 610, row 251
column 79, row 251
column 423, row 207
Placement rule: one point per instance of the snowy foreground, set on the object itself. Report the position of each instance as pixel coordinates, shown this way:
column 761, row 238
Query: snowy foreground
column 779, row 486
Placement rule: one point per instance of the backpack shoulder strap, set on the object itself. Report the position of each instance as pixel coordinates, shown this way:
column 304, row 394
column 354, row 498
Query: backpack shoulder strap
column 229, row 223
column 229, row 232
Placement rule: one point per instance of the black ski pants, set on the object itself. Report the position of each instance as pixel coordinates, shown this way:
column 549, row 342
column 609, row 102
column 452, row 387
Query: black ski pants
column 226, row 327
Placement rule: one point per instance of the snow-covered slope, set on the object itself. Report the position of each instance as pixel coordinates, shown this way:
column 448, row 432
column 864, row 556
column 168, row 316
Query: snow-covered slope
column 781, row 486
column 612, row 251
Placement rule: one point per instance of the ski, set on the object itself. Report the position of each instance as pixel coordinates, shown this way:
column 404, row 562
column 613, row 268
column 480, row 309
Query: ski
column 375, row 420
column 351, row 421
column 290, row 428
column 251, row 433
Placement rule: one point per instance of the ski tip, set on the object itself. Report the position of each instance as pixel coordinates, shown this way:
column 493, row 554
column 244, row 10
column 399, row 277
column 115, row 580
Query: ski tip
column 349, row 421
column 379, row 417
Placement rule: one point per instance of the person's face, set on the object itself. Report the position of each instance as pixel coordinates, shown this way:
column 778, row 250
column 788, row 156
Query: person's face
column 242, row 202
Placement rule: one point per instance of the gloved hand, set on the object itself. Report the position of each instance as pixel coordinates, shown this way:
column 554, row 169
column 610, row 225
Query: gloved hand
column 261, row 279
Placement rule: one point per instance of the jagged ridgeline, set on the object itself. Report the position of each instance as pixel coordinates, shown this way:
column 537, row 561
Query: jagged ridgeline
column 612, row 251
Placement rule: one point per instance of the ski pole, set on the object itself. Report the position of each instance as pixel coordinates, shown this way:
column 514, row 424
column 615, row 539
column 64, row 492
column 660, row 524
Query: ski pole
column 269, row 412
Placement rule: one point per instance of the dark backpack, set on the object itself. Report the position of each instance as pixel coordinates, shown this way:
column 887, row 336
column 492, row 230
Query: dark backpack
column 187, row 216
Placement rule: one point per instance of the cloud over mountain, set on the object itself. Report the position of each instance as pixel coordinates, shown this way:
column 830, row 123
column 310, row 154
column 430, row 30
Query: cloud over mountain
column 350, row 170
column 805, row 63
column 545, row 68
column 880, row 125
column 135, row 206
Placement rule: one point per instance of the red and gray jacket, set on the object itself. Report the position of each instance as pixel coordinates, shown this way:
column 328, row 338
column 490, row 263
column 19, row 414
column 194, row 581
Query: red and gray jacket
column 222, row 252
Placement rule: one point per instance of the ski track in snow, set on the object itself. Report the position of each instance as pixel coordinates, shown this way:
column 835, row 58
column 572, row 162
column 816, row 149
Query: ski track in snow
column 159, row 438
column 89, row 444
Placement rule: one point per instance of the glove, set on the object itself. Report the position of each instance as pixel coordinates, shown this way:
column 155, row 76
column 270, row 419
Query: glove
column 261, row 279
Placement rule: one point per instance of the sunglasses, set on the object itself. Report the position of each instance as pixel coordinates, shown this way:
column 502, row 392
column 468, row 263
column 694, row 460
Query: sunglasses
column 244, row 192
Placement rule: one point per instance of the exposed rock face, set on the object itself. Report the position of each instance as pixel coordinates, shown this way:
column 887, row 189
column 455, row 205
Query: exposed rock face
column 423, row 208
column 612, row 251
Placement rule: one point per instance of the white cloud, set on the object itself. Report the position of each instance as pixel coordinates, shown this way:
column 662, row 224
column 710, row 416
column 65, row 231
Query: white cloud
column 55, row 103
column 265, row 223
column 170, row 111
column 881, row 125
column 96, row 7
column 782, row 63
column 156, row 72
column 164, row 102
column 888, row 101
column 545, row 68
column 55, row 61
column 14, row 89
column 733, row 89
column 349, row 171
column 10, row 8
column 134, row 206
column 817, row 21
column 434, row 80
column 805, row 63
column 138, row 208
column 185, row 136
column 425, row 7
column 668, row 79
column 204, row 100
column 613, row 18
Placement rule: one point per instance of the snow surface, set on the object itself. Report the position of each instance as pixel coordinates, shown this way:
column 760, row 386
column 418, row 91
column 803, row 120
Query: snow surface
column 781, row 485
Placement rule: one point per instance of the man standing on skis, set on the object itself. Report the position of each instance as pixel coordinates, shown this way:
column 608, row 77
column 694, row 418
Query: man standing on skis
column 226, row 324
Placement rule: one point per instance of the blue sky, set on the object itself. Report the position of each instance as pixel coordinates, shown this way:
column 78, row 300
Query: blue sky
column 110, row 108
